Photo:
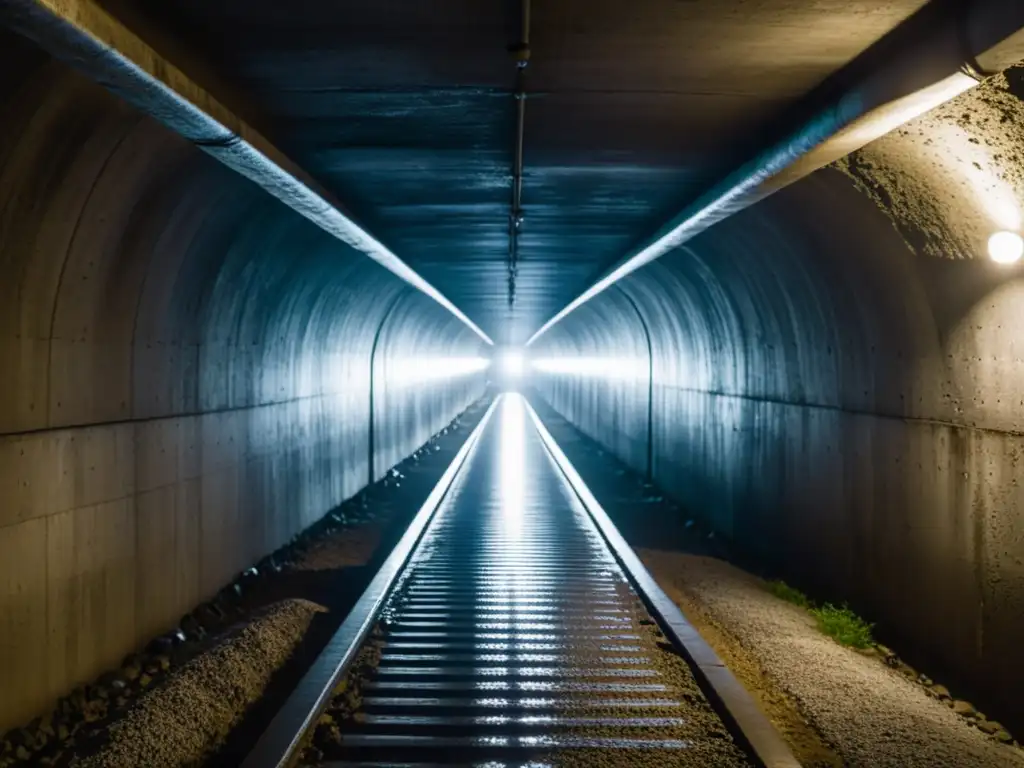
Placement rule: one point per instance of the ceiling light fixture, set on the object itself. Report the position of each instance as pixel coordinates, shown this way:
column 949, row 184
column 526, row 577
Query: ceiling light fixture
column 1006, row 247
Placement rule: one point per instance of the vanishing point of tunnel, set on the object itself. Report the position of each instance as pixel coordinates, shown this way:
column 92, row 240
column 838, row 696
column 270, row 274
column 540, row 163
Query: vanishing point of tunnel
column 616, row 349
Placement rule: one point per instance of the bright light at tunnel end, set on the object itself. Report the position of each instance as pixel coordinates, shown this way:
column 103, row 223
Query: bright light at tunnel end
column 412, row 371
column 617, row 368
column 1006, row 247
column 511, row 364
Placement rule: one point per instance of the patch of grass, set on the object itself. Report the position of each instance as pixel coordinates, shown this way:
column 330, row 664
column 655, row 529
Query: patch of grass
column 838, row 622
column 843, row 625
column 783, row 591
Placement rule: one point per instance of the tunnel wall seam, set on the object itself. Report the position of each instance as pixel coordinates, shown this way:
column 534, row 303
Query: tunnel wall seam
column 649, row 472
column 371, row 432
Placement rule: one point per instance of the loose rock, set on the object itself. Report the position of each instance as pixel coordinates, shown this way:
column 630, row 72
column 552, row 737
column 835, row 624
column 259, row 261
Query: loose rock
column 989, row 726
column 132, row 668
column 906, row 670
column 964, row 709
column 880, row 719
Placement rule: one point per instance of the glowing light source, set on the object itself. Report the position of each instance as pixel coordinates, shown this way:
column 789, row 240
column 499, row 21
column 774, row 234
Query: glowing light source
column 1006, row 247
column 511, row 363
column 619, row 368
column 411, row 371
column 512, row 458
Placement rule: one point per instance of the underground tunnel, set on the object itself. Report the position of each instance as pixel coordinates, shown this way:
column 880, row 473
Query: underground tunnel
column 511, row 383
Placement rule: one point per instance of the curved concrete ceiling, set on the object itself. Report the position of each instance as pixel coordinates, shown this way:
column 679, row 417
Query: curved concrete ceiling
column 952, row 177
column 405, row 112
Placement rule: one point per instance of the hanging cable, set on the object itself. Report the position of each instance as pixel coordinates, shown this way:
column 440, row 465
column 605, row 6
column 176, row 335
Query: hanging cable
column 521, row 51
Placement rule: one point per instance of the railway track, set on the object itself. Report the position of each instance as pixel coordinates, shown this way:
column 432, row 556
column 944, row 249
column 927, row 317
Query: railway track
column 512, row 625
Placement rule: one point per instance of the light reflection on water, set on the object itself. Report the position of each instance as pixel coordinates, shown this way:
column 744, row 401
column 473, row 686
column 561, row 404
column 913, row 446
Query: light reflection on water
column 512, row 472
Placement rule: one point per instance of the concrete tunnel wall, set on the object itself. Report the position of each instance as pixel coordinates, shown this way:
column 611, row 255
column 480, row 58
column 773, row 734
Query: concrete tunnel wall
column 185, row 377
column 845, row 410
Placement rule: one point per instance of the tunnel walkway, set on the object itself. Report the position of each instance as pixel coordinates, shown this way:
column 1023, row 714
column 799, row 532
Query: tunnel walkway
column 513, row 634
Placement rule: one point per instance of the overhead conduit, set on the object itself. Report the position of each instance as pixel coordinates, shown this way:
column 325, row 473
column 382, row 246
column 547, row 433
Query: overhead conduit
column 945, row 49
column 515, row 219
column 87, row 38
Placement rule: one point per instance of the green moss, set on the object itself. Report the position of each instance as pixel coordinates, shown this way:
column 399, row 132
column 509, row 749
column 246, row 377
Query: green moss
column 839, row 623
column 783, row 591
column 843, row 625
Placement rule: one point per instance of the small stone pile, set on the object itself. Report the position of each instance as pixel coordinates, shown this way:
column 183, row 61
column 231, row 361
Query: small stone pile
column 346, row 703
column 964, row 709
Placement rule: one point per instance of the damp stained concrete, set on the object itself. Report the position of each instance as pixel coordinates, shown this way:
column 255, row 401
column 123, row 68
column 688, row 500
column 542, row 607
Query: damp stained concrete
column 950, row 178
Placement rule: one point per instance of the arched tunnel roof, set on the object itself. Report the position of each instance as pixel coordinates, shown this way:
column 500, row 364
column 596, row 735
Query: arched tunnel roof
column 839, row 351
column 406, row 114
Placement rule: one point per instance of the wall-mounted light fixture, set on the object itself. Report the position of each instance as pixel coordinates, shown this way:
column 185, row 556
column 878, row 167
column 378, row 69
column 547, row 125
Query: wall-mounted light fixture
column 1006, row 247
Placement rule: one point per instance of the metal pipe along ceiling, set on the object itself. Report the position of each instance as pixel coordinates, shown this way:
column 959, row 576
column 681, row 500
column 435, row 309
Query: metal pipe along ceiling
column 84, row 36
column 937, row 54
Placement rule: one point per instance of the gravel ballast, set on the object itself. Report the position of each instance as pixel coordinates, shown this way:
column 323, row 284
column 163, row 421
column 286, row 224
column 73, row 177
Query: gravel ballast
column 180, row 722
column 871, row 714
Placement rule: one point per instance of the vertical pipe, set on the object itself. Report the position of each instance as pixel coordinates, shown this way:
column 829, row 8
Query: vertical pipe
column 517, row 171
column 515, row 221
column 650, row 384
column 372, row 442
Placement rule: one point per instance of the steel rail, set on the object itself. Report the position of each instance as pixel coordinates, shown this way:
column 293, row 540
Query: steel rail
column 281, row 743
column 436, row 588
column 733, row 702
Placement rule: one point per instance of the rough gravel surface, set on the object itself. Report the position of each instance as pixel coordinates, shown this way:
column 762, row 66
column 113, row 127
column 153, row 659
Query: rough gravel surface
column 328, row 565
column 180, row 722
column 353, row 549
column 872, row 716
column 951, row 177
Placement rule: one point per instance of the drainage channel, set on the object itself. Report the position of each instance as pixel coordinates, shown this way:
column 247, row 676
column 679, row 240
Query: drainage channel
column 509, row 631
